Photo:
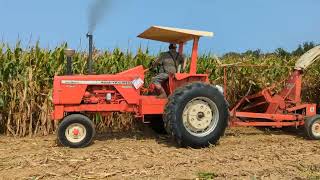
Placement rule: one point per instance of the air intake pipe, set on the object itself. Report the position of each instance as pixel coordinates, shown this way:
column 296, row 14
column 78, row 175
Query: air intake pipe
column 69, row 53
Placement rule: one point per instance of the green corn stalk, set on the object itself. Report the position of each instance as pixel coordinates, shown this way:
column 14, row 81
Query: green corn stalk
column 26, row 78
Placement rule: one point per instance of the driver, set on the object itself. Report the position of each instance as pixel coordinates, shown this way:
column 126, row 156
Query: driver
column 169, row 62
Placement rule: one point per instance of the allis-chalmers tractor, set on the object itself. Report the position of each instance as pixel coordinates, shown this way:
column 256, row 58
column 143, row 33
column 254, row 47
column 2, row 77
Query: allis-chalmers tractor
column 195, row 113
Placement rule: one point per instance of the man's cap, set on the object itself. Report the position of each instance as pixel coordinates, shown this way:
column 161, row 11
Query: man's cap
column 172, row 46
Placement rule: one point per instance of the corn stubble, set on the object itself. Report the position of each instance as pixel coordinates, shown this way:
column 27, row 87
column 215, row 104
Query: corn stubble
column 26, row 77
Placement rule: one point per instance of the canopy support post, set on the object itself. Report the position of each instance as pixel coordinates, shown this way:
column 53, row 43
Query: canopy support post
column 180, row 48
column 194, row 56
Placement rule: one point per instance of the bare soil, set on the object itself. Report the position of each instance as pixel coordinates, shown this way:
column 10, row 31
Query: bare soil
column 243, row 153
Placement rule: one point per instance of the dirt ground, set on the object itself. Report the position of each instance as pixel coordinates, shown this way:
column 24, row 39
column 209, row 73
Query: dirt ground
column 243, row 153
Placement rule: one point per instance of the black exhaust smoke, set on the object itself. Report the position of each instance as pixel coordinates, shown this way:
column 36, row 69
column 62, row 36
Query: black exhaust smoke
column 89, row 61
column 96, row 12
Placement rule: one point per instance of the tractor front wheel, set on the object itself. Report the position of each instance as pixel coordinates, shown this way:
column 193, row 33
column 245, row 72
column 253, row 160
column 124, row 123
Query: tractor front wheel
column 76, row 131
column 196, row 115
column 312, row 127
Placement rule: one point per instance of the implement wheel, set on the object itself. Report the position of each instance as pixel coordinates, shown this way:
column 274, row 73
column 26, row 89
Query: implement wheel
column 76, row 131
column 312, row 127
column 196, row 115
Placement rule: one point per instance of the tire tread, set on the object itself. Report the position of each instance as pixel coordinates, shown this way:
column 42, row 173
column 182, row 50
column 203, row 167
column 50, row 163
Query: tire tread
column 170, row 120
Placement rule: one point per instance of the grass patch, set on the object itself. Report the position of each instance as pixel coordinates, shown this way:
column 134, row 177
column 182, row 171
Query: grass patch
column 206, row 175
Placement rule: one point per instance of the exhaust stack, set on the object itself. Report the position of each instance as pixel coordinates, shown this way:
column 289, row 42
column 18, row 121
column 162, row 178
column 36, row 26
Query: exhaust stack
column 89, row 61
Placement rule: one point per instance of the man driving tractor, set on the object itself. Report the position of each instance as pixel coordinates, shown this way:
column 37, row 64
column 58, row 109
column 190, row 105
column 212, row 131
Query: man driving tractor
column 169, row 62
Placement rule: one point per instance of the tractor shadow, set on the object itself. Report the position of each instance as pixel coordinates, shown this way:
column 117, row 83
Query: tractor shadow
column 143, row 132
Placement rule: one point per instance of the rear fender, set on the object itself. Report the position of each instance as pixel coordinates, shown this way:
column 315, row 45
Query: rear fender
column 181, row 79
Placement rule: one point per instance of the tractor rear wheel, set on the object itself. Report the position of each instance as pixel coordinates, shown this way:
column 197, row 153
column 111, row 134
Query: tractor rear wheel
column 312, row 127
column 196, row 115
column 76, row 131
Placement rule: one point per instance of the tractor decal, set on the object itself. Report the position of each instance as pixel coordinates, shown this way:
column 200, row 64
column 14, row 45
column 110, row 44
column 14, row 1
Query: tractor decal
column 96, row 82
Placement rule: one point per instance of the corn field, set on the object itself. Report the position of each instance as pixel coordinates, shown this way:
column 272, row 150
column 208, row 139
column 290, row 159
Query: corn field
column 26, row 77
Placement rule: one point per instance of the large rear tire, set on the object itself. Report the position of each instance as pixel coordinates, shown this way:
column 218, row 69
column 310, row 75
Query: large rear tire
column 196, row 115
column 76, row 131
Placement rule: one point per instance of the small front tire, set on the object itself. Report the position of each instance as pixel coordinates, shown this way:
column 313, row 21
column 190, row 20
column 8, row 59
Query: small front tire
column 76, row 131
column 312, row 127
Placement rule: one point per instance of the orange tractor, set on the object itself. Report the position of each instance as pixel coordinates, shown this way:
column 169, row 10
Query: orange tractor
column 195, row 113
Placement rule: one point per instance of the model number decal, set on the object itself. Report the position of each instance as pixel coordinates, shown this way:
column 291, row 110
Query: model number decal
column 96, row 82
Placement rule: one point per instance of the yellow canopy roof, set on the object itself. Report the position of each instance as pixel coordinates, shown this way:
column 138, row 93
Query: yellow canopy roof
column 172, row 35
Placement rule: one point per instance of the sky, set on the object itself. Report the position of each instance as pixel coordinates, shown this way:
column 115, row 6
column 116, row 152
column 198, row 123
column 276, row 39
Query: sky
column 238, row 25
